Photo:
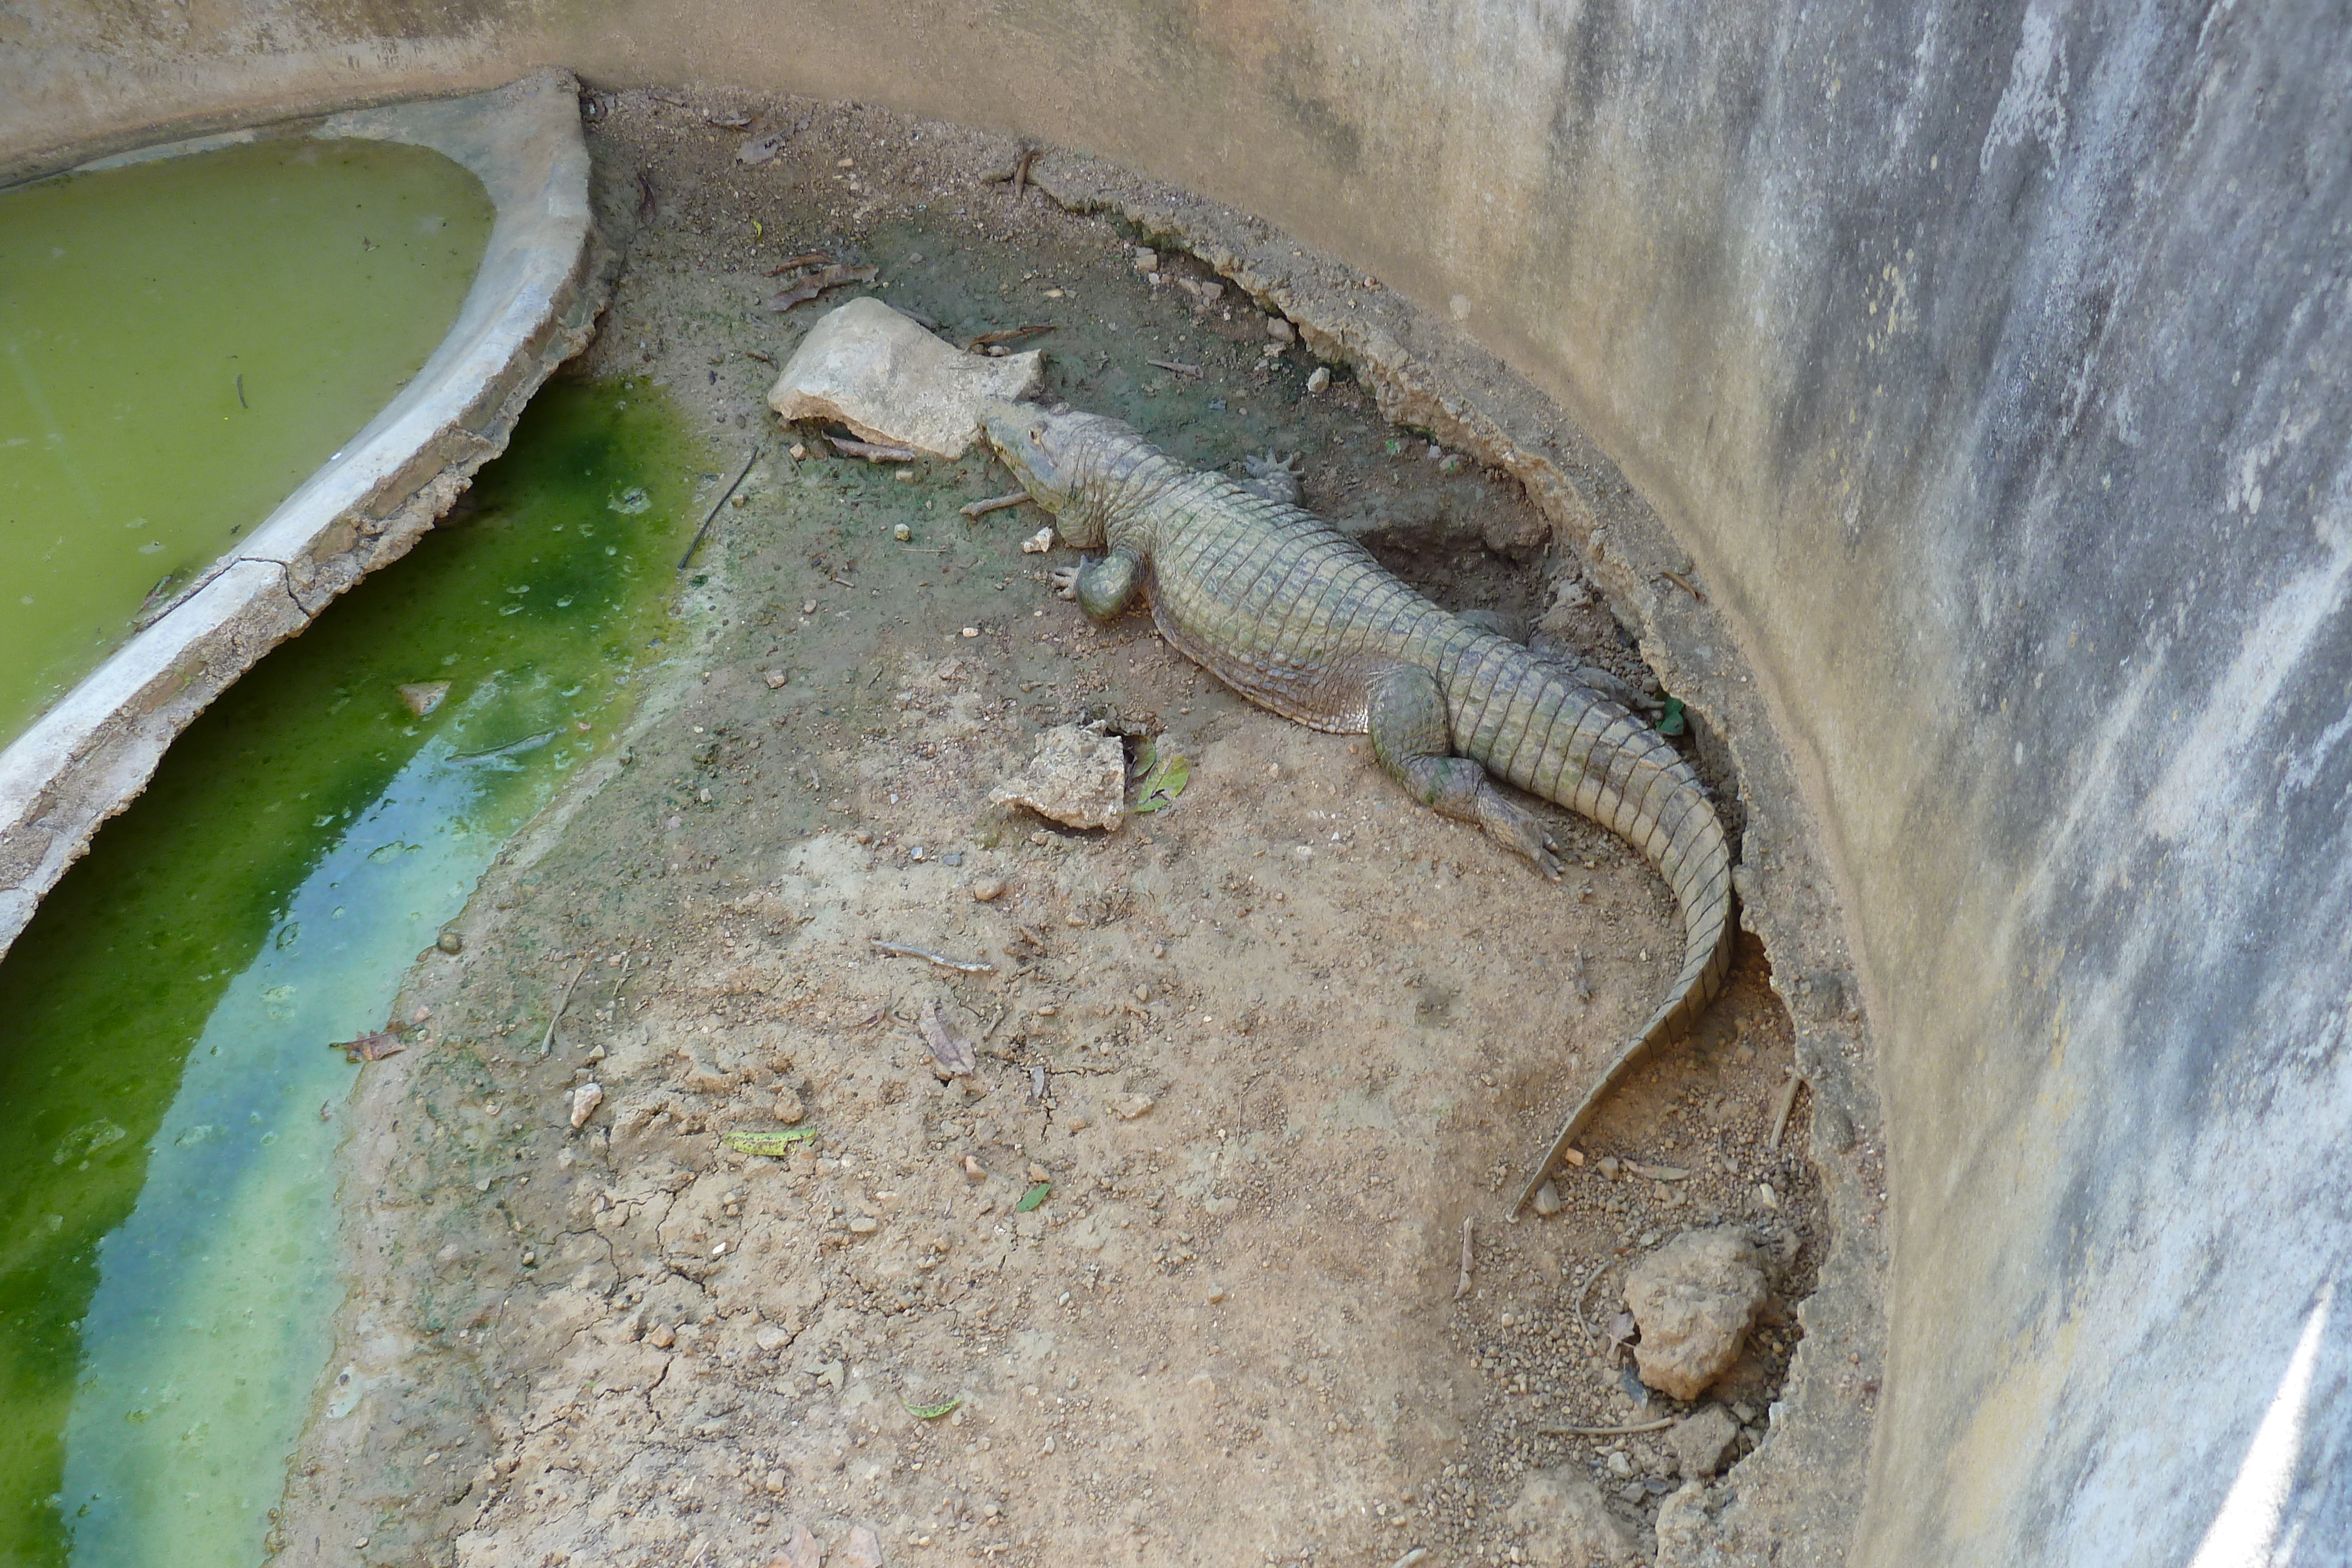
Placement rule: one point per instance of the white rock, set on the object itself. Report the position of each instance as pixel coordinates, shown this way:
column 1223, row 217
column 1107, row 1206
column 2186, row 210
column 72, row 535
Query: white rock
column 1078, row 777
column 1694, row 1300
column 880, row 373
column 1319, row 380
column 1039, row 542
column 1566, row 1524
column 584, row 1101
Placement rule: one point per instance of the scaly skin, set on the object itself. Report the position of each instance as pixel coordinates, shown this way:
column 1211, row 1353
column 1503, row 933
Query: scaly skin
column 1299, row 619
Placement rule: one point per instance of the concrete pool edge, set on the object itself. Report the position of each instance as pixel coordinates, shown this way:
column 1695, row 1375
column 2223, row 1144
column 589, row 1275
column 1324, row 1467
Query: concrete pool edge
column 531, row 306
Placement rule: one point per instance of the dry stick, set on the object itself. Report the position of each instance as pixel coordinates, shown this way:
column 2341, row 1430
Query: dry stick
column 547, row 1040
column 871, row 451
column 1679, row 580
column 1176, row 365
column 712, row 515
column 995, row 504
column 1462, row 1285
column 1783, row 1105
column 1638, row 1428
column 898, row 950
column 1576, row 1300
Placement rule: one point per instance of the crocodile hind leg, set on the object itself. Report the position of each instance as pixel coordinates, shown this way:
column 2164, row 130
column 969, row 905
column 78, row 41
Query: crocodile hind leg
column 1102, row 587
column 1405, row 712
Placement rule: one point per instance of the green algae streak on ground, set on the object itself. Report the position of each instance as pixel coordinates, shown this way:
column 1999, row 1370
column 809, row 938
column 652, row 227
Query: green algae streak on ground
column 169, row 1110
column 184, row 342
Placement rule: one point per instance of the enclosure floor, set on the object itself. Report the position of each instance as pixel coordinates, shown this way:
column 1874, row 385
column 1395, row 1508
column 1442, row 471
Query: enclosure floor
column 1234, row 1331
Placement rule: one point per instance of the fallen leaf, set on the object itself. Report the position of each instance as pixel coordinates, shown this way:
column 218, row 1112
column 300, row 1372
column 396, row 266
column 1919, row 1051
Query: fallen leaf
column 1163, row 780
column 373, row 1047
column 1034, row 1196
column 951, row 1051
column 932, row 1412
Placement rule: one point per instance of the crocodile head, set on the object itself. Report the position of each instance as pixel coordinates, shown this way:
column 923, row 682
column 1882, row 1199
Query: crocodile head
column 1042, row 450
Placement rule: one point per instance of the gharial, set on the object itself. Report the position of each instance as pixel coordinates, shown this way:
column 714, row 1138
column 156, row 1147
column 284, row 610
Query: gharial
column 1286, row 610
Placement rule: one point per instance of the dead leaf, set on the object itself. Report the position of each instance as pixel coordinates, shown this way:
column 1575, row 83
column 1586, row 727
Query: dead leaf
column 951, row 1051
column 372, row 1047
column 816, row 283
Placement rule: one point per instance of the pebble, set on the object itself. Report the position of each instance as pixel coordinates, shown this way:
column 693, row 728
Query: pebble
column 1547, row 1200
column 1279, row 330
column 789, row 1109
column 1145, row 259
column 1216, row 1294
column 901, row 532
column 808, row 606
column 776, row 679
column 988, row 890
column 663, row 1337
column 863, row 1225
column 1319, row 380
column 450, row 942
column 1133, row 1106
column 584, row 1101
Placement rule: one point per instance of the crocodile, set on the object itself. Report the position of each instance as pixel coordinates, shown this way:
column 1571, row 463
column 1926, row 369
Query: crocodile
column 1280, row 606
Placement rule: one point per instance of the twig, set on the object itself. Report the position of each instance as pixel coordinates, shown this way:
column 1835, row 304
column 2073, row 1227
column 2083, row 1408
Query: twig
column 240, row 391
column 898, row 950
column 1020, row 170
column 1410, row 1558
column 871, row 451
column 1660, row 1425
column 1786, row 1103
column 1462, row 1285
column 1010, row 335
column 712, row 515
column 1679, row 580
column 995, row 504
column 806, row 258
column 547, row 1040
column 816, row 283
column 1178, row 366
column 1576, row 1300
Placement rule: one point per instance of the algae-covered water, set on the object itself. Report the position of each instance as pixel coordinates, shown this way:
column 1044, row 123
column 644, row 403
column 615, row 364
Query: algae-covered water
column 170, row 1112
column 184, row 342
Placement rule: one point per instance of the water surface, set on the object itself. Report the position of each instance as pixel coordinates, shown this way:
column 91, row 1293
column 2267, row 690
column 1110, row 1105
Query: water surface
column 170, row 1112
column 181, row 343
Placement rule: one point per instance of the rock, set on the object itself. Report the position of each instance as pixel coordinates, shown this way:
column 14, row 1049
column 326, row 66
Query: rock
column 1145, row 259
column 1694, row 1300
column 1546, row 1202
column 450, row 942
column 1077, row 778
column 1319, row 380
column 1279, row 330
column 789, row 1109
column 988, row 890
column 862, row 1550
column 1703, row 1441
column 424, row 697
column 1131, row 1106
column 1039, row 542
column 880, row 373
column 584, row 1101
column 1565, row 1522
column 863, row 1225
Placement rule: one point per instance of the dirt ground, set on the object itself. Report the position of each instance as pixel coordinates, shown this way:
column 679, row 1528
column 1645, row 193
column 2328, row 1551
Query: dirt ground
column 1281, row 1052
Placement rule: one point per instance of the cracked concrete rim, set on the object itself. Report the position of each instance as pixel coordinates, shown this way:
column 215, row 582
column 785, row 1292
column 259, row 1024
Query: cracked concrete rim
column 531, row 308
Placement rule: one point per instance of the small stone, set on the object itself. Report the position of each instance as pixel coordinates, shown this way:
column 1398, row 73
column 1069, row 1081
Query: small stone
column 1129, row 1107
column 1039, row 542
column 1701, row 1442
column 584, row 1101
column 1145, row 259
column 1280, row 330
column 1038, row 1172
column 1694, row 1300
column 972, row 1171
column 1077, row 778
column 862, row 1550
column 663, row 1337
column 863, row 1225
column 988, row 890
column 789, row 1109
column 808, row 606
column 1216, row 1294
column 776, row 679
column 1610, row 1166
column 1547, row 1200
column 1566, row 1522
column 450, row 942
column 799, row 452
column 1319, row 380
column 902, row 533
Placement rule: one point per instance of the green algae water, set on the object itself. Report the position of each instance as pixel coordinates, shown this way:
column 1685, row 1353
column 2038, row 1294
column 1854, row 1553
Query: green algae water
column 181, row 343
column 170, row 1112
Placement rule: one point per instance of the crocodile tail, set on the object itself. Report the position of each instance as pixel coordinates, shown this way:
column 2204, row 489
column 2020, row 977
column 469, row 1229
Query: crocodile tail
column 1577, row 748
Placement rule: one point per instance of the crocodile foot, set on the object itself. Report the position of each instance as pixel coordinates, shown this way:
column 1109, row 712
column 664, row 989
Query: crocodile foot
column 1065, row 581
column 1274, row 477
column 1519, row 829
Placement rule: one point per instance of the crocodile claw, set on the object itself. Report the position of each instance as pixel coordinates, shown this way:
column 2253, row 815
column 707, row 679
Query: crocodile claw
column 1517, row 830
column 1274, row 477
column 1065, row 582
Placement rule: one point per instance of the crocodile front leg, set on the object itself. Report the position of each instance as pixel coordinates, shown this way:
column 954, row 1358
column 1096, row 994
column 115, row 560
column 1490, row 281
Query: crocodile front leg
column 1103, row 587
column 1406, row 715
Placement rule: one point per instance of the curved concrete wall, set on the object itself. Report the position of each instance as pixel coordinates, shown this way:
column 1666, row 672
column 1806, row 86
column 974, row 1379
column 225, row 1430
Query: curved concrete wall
column 1990, row 363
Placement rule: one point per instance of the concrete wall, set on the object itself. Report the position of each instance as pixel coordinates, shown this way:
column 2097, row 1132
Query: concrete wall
column 1990, row 363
